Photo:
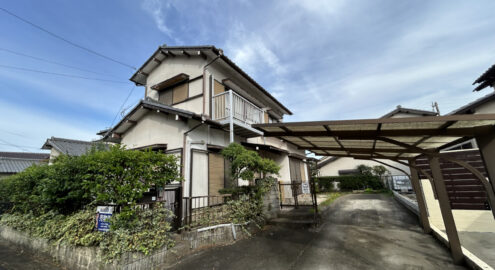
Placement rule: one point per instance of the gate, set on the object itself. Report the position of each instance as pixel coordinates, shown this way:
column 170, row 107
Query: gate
column 297, row 193
column 172, row 198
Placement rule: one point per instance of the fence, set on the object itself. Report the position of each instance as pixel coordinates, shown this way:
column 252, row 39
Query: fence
column 242, row 109
column 204, row 210
column 397, row 182
column 295, row 194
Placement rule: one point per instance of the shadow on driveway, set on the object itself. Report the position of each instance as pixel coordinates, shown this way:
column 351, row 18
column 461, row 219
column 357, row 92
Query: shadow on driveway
column 358, row 231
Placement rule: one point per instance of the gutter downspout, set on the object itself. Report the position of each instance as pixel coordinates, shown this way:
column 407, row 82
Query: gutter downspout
column 204, row 79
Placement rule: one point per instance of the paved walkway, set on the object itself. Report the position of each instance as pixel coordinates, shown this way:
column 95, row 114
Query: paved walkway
column 358, row 232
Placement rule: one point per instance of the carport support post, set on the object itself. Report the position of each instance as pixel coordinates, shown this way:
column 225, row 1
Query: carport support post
column 486, row 144
column 448, row 217
column 416, row 184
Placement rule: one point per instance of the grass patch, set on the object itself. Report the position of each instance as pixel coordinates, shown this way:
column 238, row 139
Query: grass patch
column 378, row 191
column 332, row 196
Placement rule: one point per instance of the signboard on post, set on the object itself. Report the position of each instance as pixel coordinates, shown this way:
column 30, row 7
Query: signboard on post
column 103, row 214
column 305, row 188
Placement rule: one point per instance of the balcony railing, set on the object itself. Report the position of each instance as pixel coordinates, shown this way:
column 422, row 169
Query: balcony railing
column 242, row 109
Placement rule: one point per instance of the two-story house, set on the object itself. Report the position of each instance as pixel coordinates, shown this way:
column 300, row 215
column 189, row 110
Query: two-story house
column 197, row 101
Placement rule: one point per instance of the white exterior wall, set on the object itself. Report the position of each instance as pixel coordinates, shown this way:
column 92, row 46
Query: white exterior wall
column 347, row 163
column 155, row 128
column 488, row 107
column 172, row 66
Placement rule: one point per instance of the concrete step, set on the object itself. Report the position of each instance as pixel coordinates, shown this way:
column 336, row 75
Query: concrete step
column 297, row 215
column 292, row 223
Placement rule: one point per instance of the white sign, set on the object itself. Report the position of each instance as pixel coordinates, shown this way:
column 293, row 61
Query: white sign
column 305, row 188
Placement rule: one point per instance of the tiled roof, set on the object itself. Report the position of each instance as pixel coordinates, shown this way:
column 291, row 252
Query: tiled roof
column 486, row 79
column 14, row 162
column 68, row 146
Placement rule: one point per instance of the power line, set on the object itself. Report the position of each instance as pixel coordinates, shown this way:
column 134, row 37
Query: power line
column 14, row 145
column 66, row 40
column 52, row 62
column 121, row 106
column 60, row 74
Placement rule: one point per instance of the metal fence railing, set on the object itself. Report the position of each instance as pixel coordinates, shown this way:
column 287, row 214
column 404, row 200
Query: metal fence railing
column 204, row 210
column 241, row 108
column 397, row 182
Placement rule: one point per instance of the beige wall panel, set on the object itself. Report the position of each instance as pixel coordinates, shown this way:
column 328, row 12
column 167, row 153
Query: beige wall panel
column 216, row 173
column 218, row 87
column 165, row 97
column 181, row 92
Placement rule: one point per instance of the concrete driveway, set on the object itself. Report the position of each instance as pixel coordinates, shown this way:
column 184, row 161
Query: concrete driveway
column 358, row 232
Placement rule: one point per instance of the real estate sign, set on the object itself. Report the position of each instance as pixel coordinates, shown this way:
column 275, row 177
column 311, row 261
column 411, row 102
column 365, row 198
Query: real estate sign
column 103, row 214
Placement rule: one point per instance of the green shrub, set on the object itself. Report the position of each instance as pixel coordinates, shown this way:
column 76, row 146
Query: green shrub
column 349, row 182
column 116, row 176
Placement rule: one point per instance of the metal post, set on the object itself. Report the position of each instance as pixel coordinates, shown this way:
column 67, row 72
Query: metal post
column 231, row 116
column 486, row 144
column 448, row 217
column 416, row 185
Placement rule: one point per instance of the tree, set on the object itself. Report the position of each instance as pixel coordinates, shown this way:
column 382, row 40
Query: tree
column 380, row 171
column 245, row 164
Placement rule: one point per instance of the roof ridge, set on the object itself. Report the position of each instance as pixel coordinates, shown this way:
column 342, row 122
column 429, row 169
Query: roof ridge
column 70, row 140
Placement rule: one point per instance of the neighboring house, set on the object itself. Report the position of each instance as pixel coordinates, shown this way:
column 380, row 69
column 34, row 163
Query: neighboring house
column 15, row 162
column 58, row 146
column 197, row 101
column 334, row 166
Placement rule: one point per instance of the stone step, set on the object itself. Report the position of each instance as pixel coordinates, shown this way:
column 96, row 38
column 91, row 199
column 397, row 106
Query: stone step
column 297, row 215
column 292, row 223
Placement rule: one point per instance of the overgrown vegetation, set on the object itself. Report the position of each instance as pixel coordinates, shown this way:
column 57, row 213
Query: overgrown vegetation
column 58, row 201
column 332, row 196
column 368, row 177
column 248, row 165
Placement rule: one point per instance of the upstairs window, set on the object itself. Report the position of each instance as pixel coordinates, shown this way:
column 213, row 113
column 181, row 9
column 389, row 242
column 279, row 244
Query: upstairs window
column 173, row 90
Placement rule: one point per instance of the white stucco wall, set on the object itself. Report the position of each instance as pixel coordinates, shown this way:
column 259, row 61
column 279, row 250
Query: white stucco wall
column 172, row 66
column 346, row 163
column 488, row 107
column 155, row 128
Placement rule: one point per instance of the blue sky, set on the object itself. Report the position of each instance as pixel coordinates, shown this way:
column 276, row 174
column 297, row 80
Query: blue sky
column 323, row 60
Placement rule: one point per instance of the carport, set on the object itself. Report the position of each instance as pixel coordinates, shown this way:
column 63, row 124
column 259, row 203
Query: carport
column 402, row 140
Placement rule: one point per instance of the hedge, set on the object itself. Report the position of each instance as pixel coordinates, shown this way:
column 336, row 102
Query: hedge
column 348, row 182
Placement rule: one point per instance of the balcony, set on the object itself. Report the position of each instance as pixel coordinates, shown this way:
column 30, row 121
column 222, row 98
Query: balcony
column 231, row 109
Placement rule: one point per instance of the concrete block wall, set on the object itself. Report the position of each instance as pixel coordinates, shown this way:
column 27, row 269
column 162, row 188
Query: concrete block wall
column 86, row 258
column 271, row 203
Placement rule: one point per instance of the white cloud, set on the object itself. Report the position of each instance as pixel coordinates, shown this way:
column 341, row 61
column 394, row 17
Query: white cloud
column 156, row 9
column 251, row 52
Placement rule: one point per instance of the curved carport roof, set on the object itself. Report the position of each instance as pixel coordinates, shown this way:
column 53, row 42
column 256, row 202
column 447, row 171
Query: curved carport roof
column 392, row 138
column 400, row 139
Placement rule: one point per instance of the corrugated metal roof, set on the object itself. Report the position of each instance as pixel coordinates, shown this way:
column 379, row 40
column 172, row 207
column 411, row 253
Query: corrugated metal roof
column 15, row 165
column 24, row 155
column 68, row 146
